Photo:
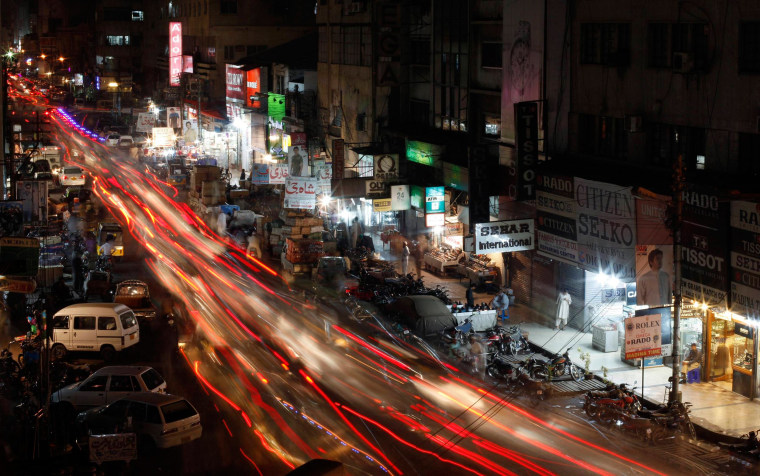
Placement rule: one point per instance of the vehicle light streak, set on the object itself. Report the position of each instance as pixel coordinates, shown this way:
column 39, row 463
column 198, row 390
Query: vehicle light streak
column 343, row 417
column 513, row 455
column 373, row 349
column 474, row 457
column 213, row 389
column 267, row 447
column 406, row 443
column 527, row 439
column 250, row 461
column 378, row 369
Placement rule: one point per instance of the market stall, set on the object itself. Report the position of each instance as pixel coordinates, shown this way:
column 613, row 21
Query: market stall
column 481, row 320
column 478, row 269
column 440, row 260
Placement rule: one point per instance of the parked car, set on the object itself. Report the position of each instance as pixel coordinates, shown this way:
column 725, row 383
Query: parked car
column 135, row 295
column 72, row 176
column 140, row 139
column 426, row 316
column 109, row 384
column 112, row 140
column 159, row 419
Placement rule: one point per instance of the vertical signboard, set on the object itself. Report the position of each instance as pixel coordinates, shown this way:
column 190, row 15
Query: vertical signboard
column 704, row 270
column 175, row 52
column 388, row 43
column 606, row 229
column 526, row 126
column 338, row 162
column 400, row 198
column 260, row 174
column 654, row 251
column 434, row 199
column 323, row 174
column 643, row 336
column 33, row 195
column 417, row 197
column 745, row 258
column 253, row 88
column 556, row 217
column 234, row 83
column 187, row 64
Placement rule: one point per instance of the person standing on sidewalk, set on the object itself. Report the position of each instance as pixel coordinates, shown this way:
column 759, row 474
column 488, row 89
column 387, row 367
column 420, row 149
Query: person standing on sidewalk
column 563, row 309
column 501, row 304
column 470, row 296
column 405, row 259
column 692, row 361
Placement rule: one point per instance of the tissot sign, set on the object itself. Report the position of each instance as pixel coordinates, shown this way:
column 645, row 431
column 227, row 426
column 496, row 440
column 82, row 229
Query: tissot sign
column 504, row 236
column 234, row 81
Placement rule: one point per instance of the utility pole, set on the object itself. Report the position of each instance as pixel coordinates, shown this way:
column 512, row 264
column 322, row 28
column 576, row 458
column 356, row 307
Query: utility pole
column 678, row 186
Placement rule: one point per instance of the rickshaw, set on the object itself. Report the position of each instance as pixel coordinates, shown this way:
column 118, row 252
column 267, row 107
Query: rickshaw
column 110, row 228
column 177, row 176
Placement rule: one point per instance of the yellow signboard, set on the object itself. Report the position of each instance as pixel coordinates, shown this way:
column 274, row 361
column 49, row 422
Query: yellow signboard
column 17, row 285
column 381, row 205
column 19, row 241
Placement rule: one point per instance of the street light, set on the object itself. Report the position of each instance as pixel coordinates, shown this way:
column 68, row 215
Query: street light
column 115, row 86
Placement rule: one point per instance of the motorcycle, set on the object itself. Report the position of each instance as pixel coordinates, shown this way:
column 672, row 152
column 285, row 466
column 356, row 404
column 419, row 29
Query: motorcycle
column 749, row 445
column 535, row 389
column 515, row 342
column 612, row 396
column 457, row 336
column 559, row 366
column 673, row 417
column 499, row 369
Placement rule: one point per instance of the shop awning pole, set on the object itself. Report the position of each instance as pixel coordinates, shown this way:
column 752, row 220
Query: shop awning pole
column 678, row 185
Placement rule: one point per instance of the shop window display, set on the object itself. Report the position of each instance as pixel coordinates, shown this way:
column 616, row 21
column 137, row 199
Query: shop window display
column 722, row 350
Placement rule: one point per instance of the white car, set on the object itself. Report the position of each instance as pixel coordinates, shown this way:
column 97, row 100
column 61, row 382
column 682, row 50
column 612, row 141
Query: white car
column 125, row 142
column 164, row 420
column 109, row 384
column 72, row 176
column 112, row 140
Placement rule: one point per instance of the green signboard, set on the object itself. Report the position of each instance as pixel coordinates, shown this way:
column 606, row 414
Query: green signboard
column 423, row 153
column 434, row 199
column 417, row 196
column 455, row 176
column 276, row 106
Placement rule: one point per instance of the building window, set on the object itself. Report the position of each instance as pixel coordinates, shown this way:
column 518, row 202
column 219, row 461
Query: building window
column 419, row 112
column 607, row 44
column 602, row 136
column 667, row 141
column 228, row 7
column 336, row 42
column 229, row 52
column 119, row 40
column 361, row 122
column 137, row 15
column 749, row 47
column 211, row 54
column 117, row 14
column 251, row 50
column 492, row 126
column 490, row 55
column 324, row 55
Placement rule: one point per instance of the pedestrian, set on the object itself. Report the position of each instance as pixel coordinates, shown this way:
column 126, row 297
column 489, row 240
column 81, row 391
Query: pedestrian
column 477, row 354
column 90, row 244
column 355, row 231
column 563, row 309
column 692, row 361
column 470, row 296
column 242, row 175
column 405, row 259
column 501, row 304
column 77, row 266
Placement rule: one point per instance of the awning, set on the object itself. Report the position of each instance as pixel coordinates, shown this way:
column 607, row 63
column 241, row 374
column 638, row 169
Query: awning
column 207, row 109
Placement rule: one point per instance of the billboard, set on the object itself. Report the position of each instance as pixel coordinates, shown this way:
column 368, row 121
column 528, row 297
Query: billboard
column 643, row 336
column 145, row 122
column 504, row 236
column 423, row 152
column 606, row 229
column 434, row 199
column 654, row 275
column 278, row 174
column 298, row 161
column 745, row 258
column 526, row 126
column 556, row 218
column 386, row 166
column 301, row 193
column 175, row 52
column 187, row 64
column 276, row 106
column 235, row 89
column 163, row 137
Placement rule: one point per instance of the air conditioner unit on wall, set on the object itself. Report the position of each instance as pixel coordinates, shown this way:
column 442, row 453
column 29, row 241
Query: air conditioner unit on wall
column 634, row 123
column 682, row 62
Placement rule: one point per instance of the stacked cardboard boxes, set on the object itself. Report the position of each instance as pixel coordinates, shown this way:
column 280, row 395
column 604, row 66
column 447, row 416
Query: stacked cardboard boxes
column 299, row 224
column 205, row 187
column 303, row 250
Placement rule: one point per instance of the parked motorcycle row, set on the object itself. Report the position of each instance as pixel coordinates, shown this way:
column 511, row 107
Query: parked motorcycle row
column 619, row 407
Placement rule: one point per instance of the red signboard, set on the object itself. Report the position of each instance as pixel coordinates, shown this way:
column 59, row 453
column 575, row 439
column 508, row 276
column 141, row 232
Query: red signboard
column 253, row 88
column 175, row 52
column 234, row 81
column 338, row 158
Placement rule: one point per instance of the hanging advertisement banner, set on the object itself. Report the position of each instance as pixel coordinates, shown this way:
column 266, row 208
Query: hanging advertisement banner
column 704, row 249
column 654, row 275
column 434, row 199
column 278, row 174
column 606, row 229
column 400, row 198
column 423, row 152
column 298, row 161
column 643, row 336
column 173, row 117
column 162, row 137
column 175, row 52
column 187, row 64
column 556, row 218
column 301, row 193
column 504, row 236
column 234, row 87
column 745, row 258
column 145, row 122
column 386, row 167
column 33, row 194
column 253, row 88
column 275, row 139
column 381, row 205
column 260, row 174
column 323, row 174
column 276, row 105
column 338, row 162
column 526, row 126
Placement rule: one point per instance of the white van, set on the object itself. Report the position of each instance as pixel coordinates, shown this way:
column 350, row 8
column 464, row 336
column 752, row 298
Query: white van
column 103, row 327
